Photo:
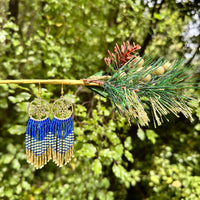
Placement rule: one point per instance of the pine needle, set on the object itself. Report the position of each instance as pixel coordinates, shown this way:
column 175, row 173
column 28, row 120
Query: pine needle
column 161, row 87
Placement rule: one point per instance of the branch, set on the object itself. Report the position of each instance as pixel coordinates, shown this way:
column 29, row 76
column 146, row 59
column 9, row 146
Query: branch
column 13, row 10
column 151, row 26
column 55, row 81
column 195, row 53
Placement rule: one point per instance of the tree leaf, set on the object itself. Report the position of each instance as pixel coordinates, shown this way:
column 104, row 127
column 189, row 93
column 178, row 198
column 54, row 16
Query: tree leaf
column 129, row 156
column 97, row 166
column 141, row 134
column 157, row 16
column 15, row 164
column 151, row 135
column 128, row 143
column 87, row 150
column 197, row 127
column 17, row 130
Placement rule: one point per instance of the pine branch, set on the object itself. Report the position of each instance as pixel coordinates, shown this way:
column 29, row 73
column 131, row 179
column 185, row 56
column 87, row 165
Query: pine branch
column 137, row 85
column 160, row 82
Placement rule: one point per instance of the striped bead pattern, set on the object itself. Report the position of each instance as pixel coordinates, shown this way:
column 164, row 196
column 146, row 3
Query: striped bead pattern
column 47, row 140
column 36, row 144
column 62, row 140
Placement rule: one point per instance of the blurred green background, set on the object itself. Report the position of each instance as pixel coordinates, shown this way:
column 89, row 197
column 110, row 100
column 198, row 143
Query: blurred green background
column 62, row 39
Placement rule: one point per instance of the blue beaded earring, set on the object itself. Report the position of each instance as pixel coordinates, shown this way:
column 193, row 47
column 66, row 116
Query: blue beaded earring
column 62, row 131
column 37, row 132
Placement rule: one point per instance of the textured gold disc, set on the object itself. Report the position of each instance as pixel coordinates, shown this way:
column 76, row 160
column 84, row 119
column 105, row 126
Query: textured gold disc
column 62, row 108
column 39, row 109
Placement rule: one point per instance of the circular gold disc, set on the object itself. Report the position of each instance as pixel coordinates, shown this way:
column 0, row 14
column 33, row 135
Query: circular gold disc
column 62, row 108
column 39, row 109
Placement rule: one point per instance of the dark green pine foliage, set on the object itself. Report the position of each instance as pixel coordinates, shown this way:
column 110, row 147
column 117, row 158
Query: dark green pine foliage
column 146, row 85
column 135, row 90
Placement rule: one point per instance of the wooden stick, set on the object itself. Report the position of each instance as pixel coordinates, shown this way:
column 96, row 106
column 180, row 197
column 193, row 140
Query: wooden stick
column 55, row 81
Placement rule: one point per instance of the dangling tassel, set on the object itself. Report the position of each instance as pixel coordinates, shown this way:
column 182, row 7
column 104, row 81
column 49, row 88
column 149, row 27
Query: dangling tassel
column 71, row 140
column 63, row 142
column 36, row 142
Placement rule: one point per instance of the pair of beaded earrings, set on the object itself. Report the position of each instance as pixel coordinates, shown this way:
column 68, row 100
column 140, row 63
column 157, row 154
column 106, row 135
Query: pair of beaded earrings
column 49, row 139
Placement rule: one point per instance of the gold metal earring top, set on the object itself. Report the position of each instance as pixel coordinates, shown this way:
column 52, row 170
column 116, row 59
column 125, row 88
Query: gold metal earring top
column 39, row 109
column 39, row 90
column 62, row 91
column 62, row 108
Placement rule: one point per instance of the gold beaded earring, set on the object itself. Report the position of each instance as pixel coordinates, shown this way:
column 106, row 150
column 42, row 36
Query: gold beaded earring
column 62, row 130
column 37, row 131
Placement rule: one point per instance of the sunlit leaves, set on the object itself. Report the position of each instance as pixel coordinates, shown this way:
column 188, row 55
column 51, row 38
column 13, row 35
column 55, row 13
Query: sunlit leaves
column 129, row 156
column 3, row 36
column 7, row 158
column 126, row 177
column 198, row 112
column 17, row 129
column 20, row 97
column 15, row 164
column 197, row 127
column 151, row 135
column 141, row 134
column 87, row 150
column 97, row 167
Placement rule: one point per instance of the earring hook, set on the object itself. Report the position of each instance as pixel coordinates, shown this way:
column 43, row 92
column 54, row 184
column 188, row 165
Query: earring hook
column 62, row 91
column 39, row 90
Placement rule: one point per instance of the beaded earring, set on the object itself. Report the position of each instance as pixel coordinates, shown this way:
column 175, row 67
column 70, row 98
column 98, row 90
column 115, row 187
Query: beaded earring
column 36, row 142
column 62, row 130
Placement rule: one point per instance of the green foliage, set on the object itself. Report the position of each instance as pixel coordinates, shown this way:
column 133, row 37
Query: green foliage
column 151, row 135
column 160, row 83
column 69, row 39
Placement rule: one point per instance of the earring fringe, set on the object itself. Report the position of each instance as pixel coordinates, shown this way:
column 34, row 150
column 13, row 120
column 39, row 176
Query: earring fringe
column 36, row 142
column 63, row 140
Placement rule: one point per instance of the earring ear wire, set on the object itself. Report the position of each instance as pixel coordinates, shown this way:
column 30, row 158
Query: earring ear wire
column 39, row 89
column 62, row 91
